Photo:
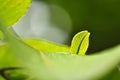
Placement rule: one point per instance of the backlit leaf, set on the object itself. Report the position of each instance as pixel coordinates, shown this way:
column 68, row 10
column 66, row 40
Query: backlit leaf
column 46, row 46
column 80, row 43
column 64, row 66
column 12, row 10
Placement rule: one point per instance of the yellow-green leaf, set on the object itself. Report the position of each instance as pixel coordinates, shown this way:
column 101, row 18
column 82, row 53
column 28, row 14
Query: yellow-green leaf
column 12, row 10
column 46, row 46
column 80, row 43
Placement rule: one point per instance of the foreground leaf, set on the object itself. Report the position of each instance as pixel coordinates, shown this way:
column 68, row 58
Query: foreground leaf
column 12, row 10
column 63, row 66
column 7, row 58
column 26, row 53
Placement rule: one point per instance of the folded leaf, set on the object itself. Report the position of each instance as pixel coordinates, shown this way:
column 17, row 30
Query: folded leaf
column 80, row 43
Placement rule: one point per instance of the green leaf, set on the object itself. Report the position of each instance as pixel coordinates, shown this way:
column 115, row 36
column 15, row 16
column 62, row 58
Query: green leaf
column 12, row 10
column 7, row 58
column 80, row 43
column 64, row 66
column 46, row 46
column 24, row 55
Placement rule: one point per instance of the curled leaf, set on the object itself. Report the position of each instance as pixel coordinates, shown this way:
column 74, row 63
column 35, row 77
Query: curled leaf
column 80, row 43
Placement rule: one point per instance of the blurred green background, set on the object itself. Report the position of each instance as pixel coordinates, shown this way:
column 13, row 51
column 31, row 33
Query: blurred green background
column 60, row 20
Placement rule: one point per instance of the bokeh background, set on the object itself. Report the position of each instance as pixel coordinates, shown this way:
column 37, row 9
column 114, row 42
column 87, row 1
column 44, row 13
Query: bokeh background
column 60, row 20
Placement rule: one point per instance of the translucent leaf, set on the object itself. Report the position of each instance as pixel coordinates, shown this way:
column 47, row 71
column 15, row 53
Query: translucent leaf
column 64, row 66
column 23, row 53
column 12, row 10
column 80, row 43
column 46, row 46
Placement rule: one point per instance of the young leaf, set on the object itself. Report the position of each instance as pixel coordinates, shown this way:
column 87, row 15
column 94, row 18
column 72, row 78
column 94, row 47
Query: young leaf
column 12, row 10
column 80, row 43
column 46, row 46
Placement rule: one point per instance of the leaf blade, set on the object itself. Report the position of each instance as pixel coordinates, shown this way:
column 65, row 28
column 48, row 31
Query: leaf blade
column 15, row 8
column 46, row 46
column 80, row 43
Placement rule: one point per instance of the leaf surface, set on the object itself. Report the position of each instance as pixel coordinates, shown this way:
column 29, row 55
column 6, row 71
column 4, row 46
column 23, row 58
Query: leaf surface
column 12, row 10
column 80, row 43
column 46, row 46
